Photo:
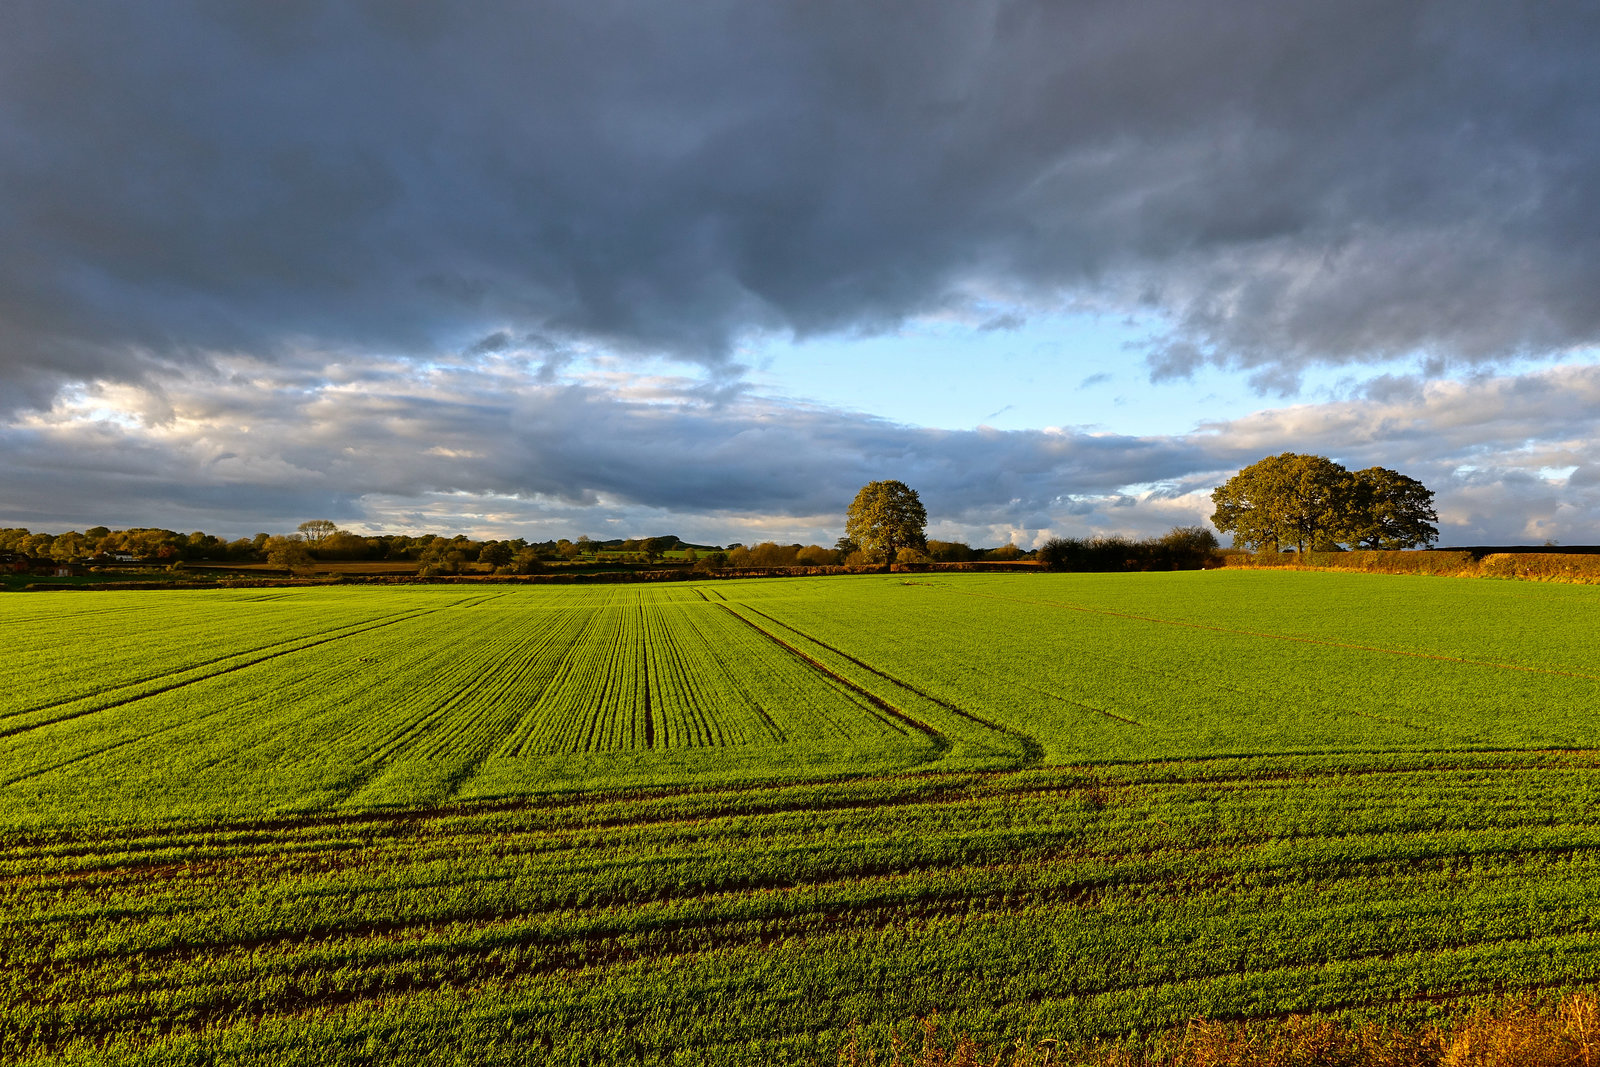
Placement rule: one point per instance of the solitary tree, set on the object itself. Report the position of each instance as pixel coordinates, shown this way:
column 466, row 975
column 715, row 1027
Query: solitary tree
column 886, row 517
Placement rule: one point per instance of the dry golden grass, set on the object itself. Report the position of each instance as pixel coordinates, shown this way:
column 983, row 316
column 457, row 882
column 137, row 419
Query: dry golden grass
column 1517, row 1034
column 1523, row 1036
column 1444, row 564
column 1542, row 567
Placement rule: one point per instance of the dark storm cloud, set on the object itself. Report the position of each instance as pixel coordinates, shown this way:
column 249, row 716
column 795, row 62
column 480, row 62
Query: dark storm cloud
column 1280, row 182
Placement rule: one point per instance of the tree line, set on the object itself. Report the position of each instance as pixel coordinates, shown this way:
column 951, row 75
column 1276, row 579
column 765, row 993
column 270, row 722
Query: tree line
column 317, row 539
column 321, row 540
column 1306, row 501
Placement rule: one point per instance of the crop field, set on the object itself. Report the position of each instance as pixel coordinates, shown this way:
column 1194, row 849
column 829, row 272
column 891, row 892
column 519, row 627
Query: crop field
column 729, row 821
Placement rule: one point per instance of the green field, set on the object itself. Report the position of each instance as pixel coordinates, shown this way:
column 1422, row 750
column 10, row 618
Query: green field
column 723, row 821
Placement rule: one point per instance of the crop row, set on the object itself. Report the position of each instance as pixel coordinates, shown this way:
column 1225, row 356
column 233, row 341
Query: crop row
column 221, row 702
column 766, row 920
column 132, row 640
column 661, row 673
column 412, row 704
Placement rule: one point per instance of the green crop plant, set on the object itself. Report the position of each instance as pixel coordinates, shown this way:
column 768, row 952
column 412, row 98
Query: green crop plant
column 741, row 821
column 762, row 923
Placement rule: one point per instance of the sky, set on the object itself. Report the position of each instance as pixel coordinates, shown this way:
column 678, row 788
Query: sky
column 630, row 269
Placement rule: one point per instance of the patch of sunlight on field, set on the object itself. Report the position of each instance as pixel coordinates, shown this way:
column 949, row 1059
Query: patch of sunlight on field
column 246, row 701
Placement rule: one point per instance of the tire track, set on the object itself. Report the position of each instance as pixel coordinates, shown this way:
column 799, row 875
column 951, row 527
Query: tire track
column 107, row 690
column 940, row 741
column 1034, row 751
column 158, row 691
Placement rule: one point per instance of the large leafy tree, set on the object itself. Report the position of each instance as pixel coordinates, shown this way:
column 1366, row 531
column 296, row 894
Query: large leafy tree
column 1287, row 499
column 1391, row 511
column 1312, row 502
column 886, row 517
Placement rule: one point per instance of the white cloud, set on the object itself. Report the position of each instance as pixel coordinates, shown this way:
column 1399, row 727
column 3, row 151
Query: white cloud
column 484, row 447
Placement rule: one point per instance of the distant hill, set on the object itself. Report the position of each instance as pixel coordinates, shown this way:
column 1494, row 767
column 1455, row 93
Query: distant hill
column 664, row 543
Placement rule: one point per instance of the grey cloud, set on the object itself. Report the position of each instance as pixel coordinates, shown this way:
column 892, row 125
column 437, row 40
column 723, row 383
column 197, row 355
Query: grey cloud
column 1008, row 321
column 577, row 451
column 1392, row 387
column 472, row 448
column 498, row 341
column 1281, row 183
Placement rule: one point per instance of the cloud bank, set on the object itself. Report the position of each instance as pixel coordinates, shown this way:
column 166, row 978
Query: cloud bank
column 473, row 448
column 1276, row 184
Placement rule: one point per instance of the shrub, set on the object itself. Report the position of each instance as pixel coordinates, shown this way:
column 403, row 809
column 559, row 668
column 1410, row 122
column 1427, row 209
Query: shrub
column 1061, row 554
column 951, row 551
column 817, row 556
column 1184, row 548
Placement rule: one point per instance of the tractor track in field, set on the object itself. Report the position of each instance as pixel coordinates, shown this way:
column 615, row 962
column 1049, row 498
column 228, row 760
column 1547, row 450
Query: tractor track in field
column 1033, row 751
column 556, row 956
column 332, row 633
column 940, row 741
column 315, row 855
column 302, row 646
column 186, row 670
column 813, row 795
column 1013, row 885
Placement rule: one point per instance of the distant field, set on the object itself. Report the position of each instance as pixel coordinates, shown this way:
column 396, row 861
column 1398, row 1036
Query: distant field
column 600, row 823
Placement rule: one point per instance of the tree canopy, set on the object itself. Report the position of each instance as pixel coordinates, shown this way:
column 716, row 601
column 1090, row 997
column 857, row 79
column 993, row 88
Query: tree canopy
column 1312, row 502
column 315, row 530
column 885, row 518
column 287, row 552
column 1392, row 511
